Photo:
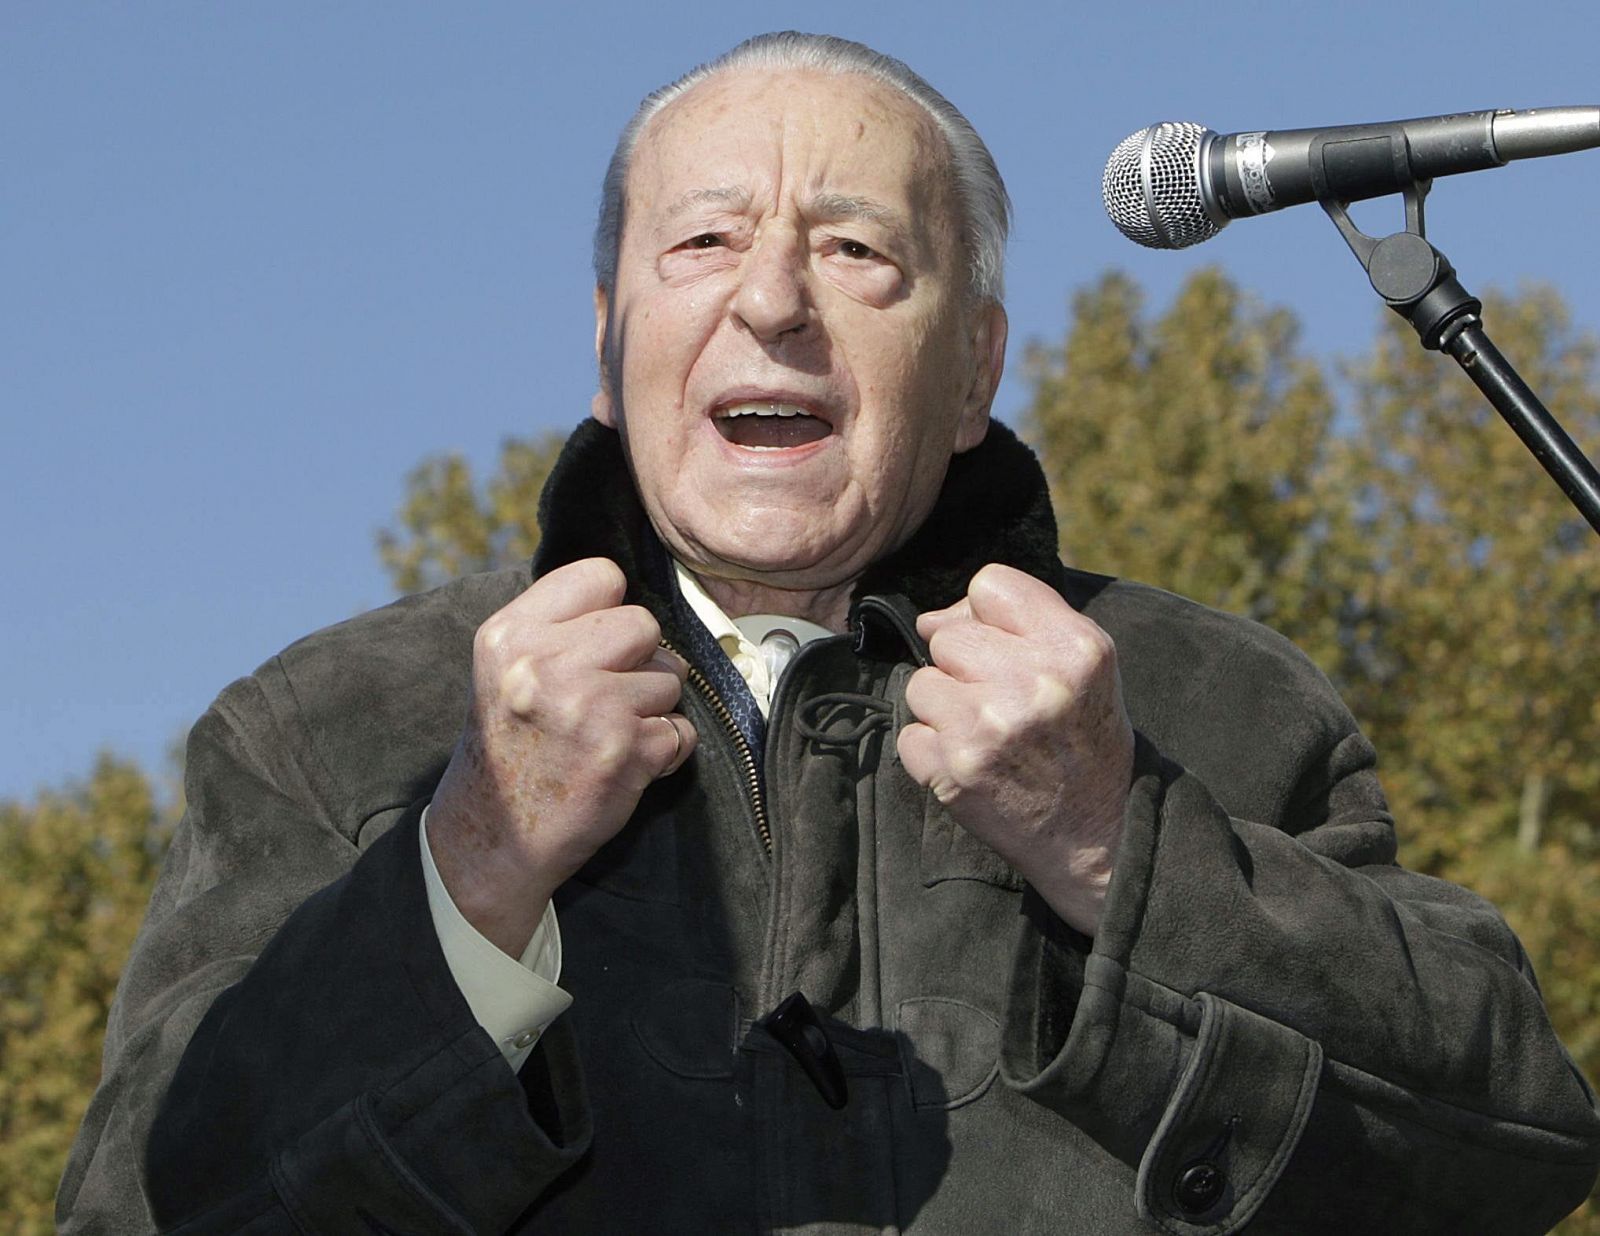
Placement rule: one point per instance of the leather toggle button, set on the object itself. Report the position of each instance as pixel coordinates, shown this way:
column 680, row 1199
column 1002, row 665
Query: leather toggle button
column 795, row 1024
column 1199, row 1187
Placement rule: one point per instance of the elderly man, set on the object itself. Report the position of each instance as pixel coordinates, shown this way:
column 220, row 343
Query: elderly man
column 898, row 878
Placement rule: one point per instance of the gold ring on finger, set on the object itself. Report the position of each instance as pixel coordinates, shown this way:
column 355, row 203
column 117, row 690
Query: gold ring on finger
column 677, row 741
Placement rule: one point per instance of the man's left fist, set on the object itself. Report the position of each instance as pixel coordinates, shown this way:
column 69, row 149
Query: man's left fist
column 1022, row 735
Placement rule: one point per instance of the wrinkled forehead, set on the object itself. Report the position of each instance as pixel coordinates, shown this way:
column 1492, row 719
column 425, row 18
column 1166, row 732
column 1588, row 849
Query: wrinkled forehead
column 793, row 132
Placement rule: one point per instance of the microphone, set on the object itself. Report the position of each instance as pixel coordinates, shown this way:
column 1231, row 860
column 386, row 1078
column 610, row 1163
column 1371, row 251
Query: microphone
column 1176, row 184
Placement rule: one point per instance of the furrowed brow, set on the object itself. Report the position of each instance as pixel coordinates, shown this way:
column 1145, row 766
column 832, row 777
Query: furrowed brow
column 727, row 197
column 839, row 207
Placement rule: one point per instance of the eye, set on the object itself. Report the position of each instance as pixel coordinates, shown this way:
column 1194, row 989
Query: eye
column 706, row 240
column 855, row 249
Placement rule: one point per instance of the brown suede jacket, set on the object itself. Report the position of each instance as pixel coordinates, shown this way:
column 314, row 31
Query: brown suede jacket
column 1276, row 1025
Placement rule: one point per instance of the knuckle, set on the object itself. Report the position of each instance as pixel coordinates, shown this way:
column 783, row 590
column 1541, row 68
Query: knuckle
column 1052, row 696
column 993, row 582
column 611, row 752
column 521, row 686
column 642, row 623
column 573, row 713
column 1092, row 643
column 1096, row 641
column 999, row 724
column 966, row 765
column 491, row 636
column 985, row 577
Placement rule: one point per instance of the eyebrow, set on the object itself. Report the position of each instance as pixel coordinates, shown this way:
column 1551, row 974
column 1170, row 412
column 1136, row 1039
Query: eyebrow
column 828, row 207
column 728, row 197
column 838, row 206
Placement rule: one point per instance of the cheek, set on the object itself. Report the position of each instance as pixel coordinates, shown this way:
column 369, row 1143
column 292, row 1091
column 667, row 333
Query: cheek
column 908, row 376
column 888, row 359
column 912, row 383
column 659, row 346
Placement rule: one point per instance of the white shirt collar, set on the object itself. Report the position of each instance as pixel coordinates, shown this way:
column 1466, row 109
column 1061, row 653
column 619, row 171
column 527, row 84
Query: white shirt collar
column 741, row 638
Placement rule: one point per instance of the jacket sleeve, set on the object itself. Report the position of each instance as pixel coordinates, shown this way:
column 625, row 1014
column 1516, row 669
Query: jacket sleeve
column 1276, row 1023
column 287, row 1051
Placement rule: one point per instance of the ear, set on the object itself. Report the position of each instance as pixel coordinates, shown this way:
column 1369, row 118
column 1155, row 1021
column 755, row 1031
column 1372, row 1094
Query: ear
column 989, row 329
column 603, row 406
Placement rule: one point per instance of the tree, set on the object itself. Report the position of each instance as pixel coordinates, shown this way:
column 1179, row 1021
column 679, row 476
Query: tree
column 1186, row 452
column 1477, row 580
column 1421, row 556
column 1413, row 547
column 1480, row 589
column 77, row 871
column 447, row 529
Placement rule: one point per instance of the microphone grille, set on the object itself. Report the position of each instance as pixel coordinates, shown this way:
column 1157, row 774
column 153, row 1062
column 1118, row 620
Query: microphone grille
column 1151, row 187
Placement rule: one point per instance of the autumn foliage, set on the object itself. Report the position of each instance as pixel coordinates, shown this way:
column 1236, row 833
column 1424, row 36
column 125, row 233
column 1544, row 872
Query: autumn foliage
column 75, row 872
column 1380, row 515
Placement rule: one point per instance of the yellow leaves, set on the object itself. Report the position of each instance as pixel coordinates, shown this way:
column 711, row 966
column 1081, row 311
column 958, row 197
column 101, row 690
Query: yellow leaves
column 1182, row 452
column 76, row 870
column 1411, row 545
column 1408, row 542
column 446, row 529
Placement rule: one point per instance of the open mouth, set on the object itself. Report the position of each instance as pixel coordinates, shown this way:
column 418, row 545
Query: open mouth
column 770, row 426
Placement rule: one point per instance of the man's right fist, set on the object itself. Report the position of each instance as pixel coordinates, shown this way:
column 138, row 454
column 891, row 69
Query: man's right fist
column 572, row 714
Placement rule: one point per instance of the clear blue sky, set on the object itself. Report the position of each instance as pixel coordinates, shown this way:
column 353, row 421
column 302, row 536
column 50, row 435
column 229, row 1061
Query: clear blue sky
column 257, row 261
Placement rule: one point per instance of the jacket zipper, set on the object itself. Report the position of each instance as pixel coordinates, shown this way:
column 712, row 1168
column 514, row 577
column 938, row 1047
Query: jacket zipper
column 747, row 757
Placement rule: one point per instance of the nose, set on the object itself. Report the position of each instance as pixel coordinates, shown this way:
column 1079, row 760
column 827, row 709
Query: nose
column 773, row 298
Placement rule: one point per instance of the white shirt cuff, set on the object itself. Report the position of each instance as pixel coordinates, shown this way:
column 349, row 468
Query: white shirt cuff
column 513, row 1001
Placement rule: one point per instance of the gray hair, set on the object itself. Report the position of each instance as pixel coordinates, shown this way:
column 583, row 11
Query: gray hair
column 981, row 194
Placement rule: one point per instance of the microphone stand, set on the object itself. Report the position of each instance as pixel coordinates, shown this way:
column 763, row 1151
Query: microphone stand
column 1418, row 282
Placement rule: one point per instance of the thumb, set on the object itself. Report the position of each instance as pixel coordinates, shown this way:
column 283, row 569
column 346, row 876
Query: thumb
column 931, row 620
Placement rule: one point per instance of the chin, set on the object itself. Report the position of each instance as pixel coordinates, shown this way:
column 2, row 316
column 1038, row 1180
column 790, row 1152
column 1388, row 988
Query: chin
column 781, row 560
column 759, row 565
column 772, row 537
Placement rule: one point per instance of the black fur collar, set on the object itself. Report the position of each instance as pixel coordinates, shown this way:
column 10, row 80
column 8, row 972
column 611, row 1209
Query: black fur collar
column 994, row 507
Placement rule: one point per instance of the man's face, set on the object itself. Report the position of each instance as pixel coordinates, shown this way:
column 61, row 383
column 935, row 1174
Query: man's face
column 793, row 358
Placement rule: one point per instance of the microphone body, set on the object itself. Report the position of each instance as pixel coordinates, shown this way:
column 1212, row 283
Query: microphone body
column 1176, row 184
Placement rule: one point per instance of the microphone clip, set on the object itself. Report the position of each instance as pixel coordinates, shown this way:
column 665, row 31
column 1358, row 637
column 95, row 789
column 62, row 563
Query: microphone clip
column 1419, row 283
column 1413, row 278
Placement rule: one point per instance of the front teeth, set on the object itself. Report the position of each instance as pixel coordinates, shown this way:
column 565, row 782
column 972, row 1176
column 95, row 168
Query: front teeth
column 765, row 409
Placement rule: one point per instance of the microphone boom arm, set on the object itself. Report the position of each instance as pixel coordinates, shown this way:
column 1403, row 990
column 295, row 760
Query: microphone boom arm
column 1419, row 283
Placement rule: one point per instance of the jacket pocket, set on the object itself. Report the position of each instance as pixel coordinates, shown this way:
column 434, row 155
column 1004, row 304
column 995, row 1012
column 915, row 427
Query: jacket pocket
column 690, row 1028
column 949, row 1049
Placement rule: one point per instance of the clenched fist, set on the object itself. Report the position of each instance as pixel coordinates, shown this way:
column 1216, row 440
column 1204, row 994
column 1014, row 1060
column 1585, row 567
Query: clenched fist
column 1022, row 735
column 572, row 714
